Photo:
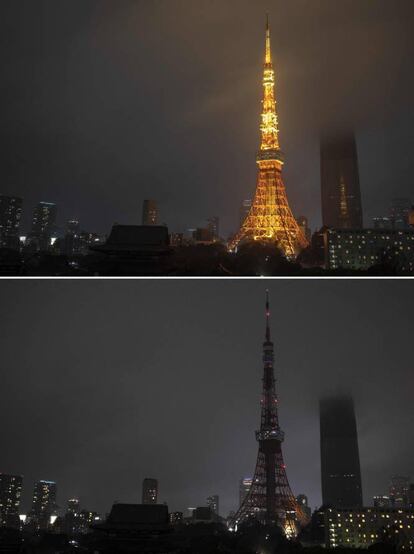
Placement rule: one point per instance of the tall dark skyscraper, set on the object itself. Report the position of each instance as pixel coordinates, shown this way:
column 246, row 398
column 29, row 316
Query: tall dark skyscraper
column 341, row 473
column 149, row 212
column 10, row 214
column 341, row 195
column 44, row 503
column 149, row 491
column 213, row 503
column 10, row 493
column 43, row 221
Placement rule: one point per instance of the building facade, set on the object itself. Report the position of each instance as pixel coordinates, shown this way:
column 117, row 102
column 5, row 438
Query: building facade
column 399, row 491
column 340, row 189
column 43, row 223
column 213, row 503
column 361, row 249
column 149, row 491
column 10, row 493
column 149, row 212
column 10, row 215
column 363, row 527
column 43, row 503
column 244, row 488
column 341, row 473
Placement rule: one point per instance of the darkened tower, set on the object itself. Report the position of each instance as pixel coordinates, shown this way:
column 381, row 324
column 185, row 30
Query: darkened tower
column 270, row 499
column 341, row 473
column 341, row 195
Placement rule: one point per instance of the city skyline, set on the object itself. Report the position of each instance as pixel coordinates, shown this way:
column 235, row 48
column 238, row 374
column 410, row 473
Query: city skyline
column 86, row 403
column 84, row 137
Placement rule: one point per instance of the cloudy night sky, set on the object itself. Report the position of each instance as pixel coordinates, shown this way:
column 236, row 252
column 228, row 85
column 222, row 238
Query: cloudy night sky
column 107, row 382
column 106, row 103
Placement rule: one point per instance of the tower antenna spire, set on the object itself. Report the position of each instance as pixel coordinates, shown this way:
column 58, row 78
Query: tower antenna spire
column 268, row 56
column 267, row 316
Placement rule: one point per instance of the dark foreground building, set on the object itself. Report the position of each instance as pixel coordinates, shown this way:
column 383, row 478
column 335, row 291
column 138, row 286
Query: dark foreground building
column 341, row 473
column 133, row 250
column 341, row 195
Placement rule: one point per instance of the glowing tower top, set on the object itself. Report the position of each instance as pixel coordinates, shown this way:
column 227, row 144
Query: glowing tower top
column 270, row 218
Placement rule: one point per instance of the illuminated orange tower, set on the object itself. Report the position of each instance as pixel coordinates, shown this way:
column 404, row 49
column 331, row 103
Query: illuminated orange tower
column 270, row 218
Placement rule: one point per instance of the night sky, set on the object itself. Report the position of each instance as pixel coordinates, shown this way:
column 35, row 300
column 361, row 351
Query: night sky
column 105, row 103
column 107, row 382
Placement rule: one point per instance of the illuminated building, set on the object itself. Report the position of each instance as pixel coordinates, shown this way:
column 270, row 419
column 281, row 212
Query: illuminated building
column 363, row 248
column 244, row 488
column 73, row 506
column 381, row 501
column 176, row 518
column 341, row 473
column 10, row 493
column 270, row 218
column 382, row 222
column 43, row 221
column 341, row 196
column 44, row 503
column 10, row 214
column 270, row 499
column 398, row 491
column 302, row 500
column 213, row 503
column 362, row 527
column 149, row 212
column 149, row 491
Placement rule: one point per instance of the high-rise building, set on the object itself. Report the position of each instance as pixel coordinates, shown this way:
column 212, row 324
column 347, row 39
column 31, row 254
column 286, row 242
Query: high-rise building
column 43, row 221
column 399, row 213
column 176, row 518
column 244, row 210
column 213, row 503
column 341, row 473
column 149, row 212
column 244, row 487
column 364, row 248
column 341, row 195
column 72, row 227
column 10, row 493
column 213, row 224
column 411, row 496
column 381, row 501
column 360, row 528
column 73, row 506
column 302, row 500
column 270, row 219
column 303, row 224
column 398, row 491
column 10, row 214
column 44, row 503
column 149, row 491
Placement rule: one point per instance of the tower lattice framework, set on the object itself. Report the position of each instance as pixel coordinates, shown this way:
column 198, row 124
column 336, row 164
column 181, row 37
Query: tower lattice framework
column 270, row 218
column 270, row 499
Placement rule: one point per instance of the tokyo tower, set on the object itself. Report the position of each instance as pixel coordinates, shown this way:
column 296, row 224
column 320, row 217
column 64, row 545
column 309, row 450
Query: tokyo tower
column 270, row 218
column 270, row 499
